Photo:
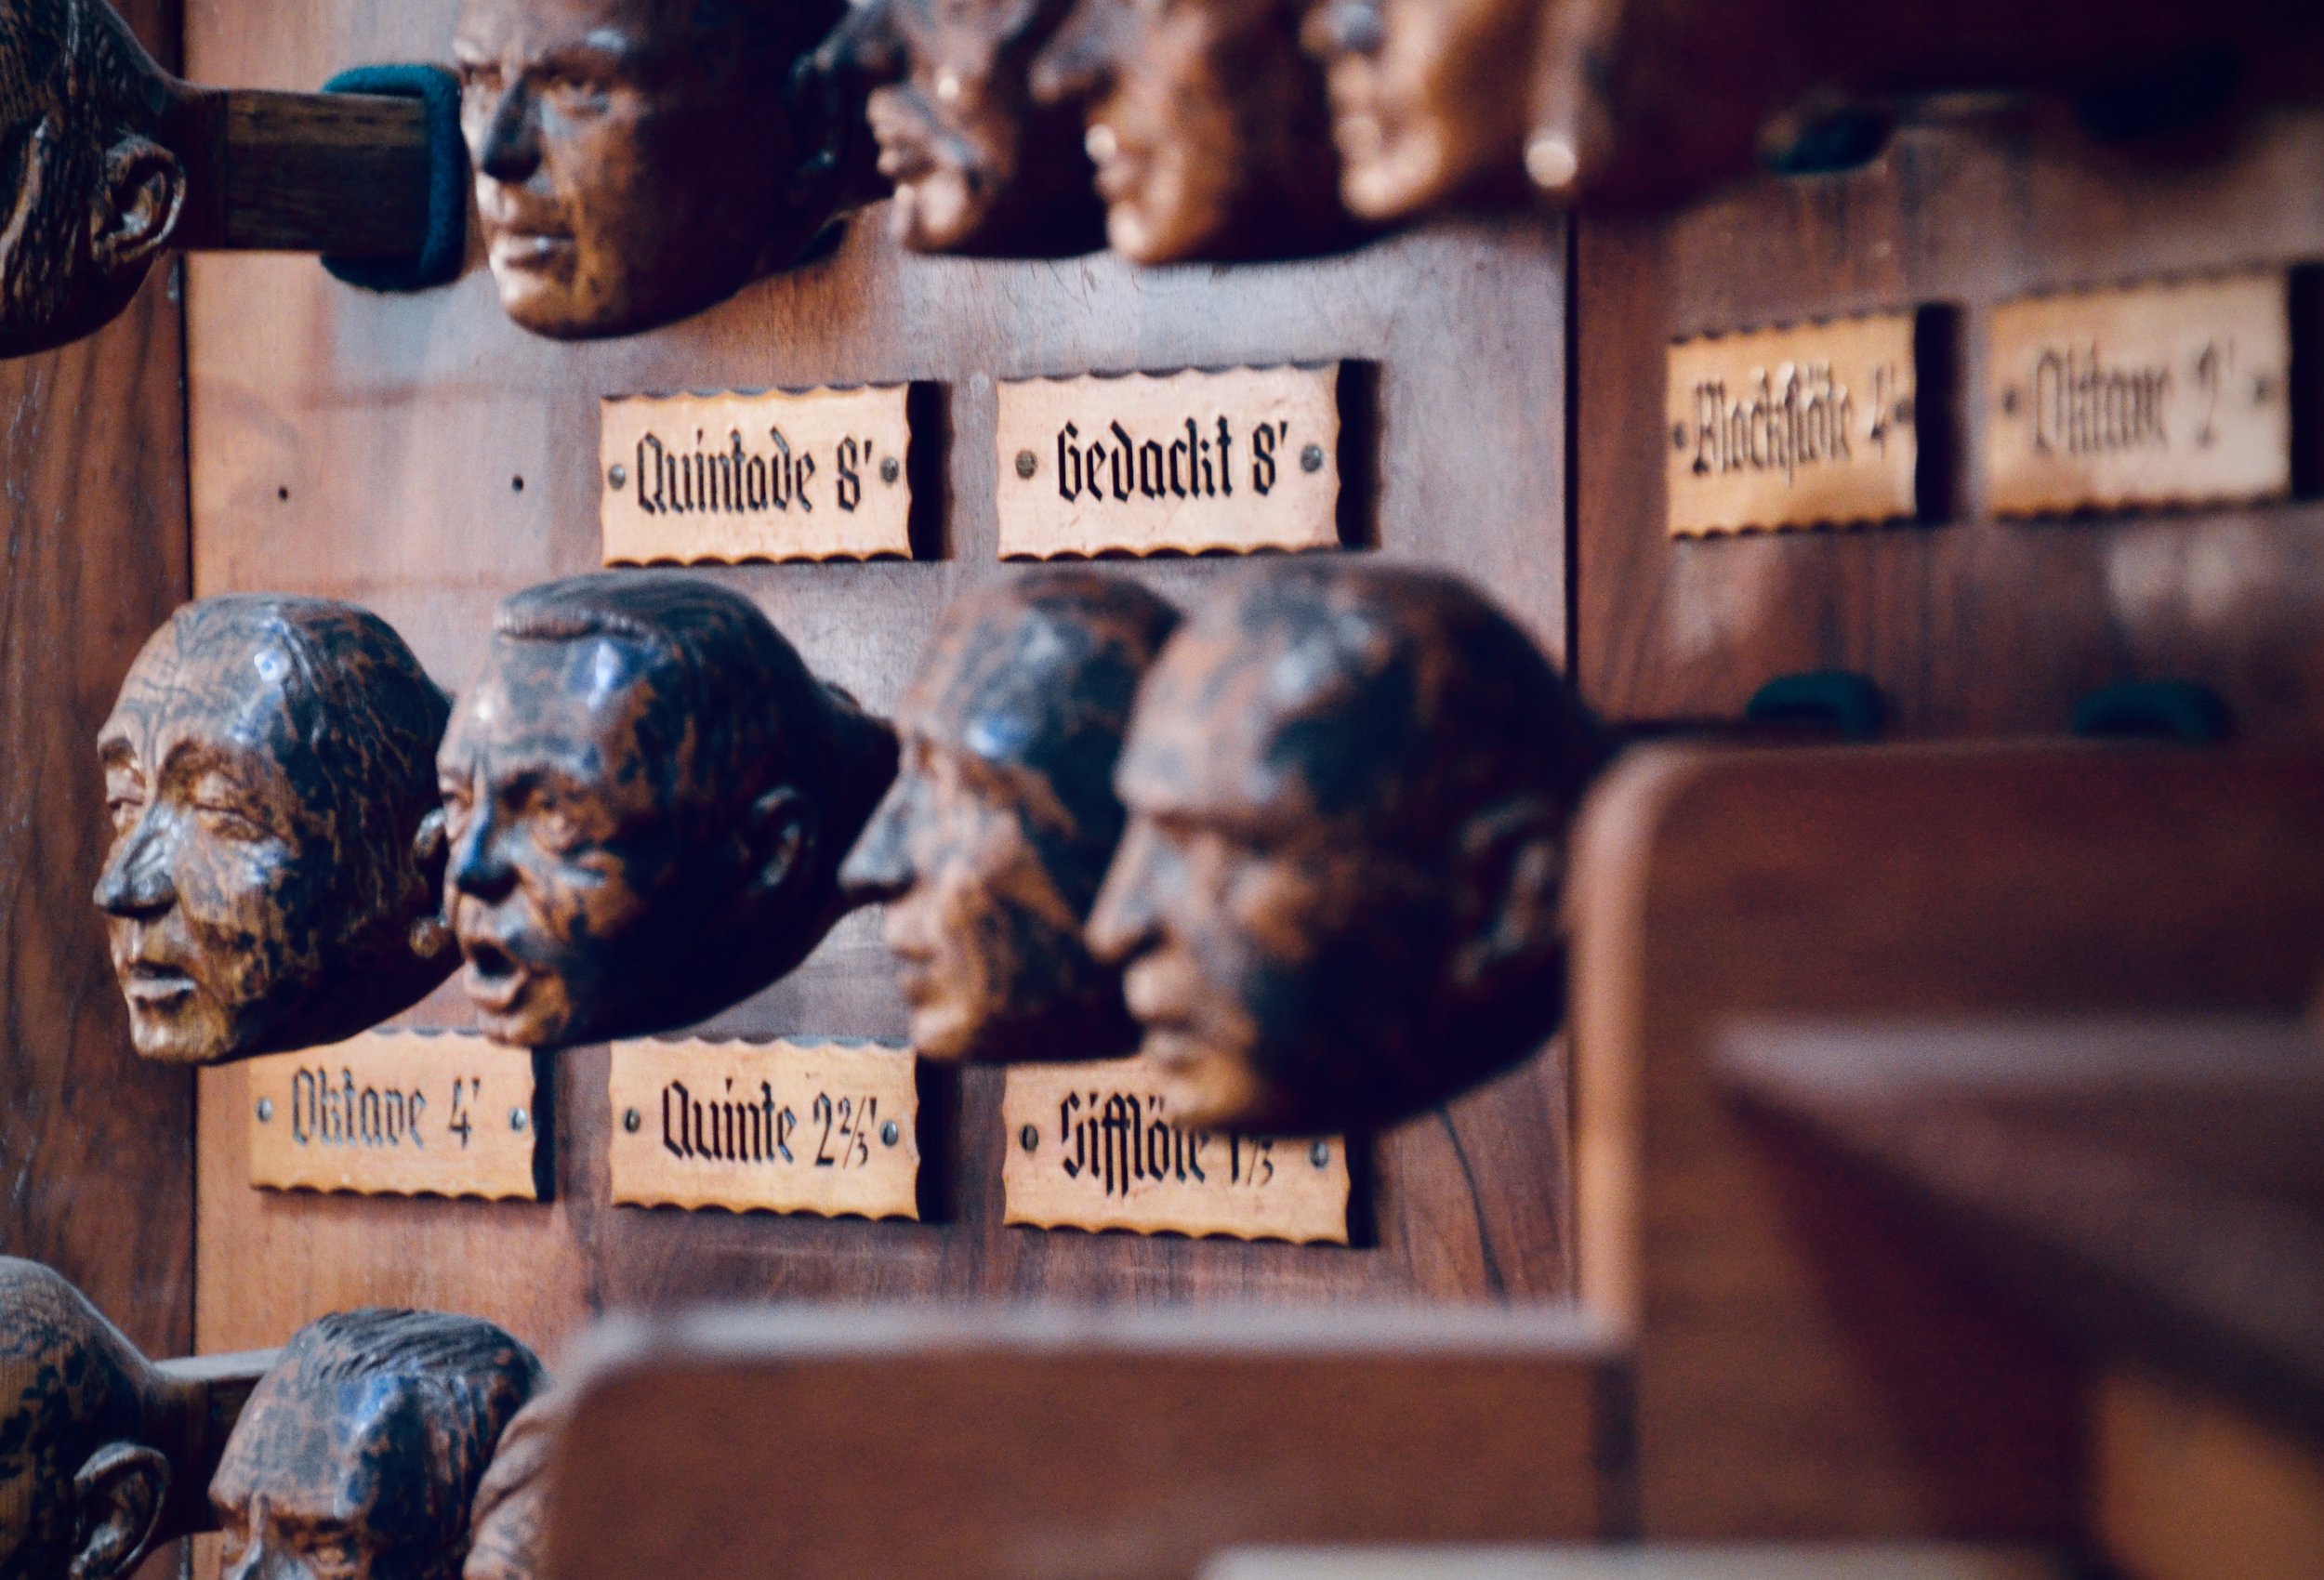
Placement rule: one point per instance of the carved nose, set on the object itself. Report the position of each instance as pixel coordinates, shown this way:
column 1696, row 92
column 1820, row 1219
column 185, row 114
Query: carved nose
column 476, row 866
column 136, row 880
column 865, row 46
column 879, row 868
column 1347, row 27
column 1077, row 64
column 513, row 145
column 1123, row 921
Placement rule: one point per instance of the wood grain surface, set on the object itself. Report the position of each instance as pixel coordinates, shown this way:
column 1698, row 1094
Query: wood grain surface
column 1804, row 1353
column 1970, row 624
column 421, row 456
column 96, row 1155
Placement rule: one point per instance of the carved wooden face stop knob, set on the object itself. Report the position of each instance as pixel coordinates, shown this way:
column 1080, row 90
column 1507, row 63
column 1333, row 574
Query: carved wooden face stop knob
column 646, row 797
column 989, row 848
column 1337, row 900
column 1429, row 99
column 269, row 885
column 1207, row 125
column 638, row 161
column 360, row 1453
column 977, row 166
column 94, row 195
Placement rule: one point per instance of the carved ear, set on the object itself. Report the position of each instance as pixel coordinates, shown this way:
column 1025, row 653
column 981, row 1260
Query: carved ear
column 1513, row 861
column 139, row 198
column 782, row 839
column 117, row 1500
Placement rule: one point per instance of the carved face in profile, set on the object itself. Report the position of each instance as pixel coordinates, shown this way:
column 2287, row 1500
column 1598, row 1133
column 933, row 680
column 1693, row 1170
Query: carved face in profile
column 81, row 1493
column 92, row 195
column 1207, row 125
column 1429, row 97
column 637, row 161
column 359, row 1454
column 989, row 848
column 269, row 771
column 1337, row 897
column 976, row 165
column 647, row 797
column 511, row 1512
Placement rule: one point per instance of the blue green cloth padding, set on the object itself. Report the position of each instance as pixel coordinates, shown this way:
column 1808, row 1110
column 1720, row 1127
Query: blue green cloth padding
column 2154, row 710
column 445, row 245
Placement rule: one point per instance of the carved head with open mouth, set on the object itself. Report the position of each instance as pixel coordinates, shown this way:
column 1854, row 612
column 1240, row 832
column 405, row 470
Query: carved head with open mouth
column 272, row 885
column 646, row 797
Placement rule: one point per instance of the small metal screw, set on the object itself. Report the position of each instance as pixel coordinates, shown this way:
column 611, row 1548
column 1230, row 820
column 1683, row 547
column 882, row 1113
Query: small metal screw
column 889, row 468
column 1904, row 411
column 1678, row 436
column 631, row 1120
column 1029, row 1138
column 519, row 1119
column 618, row 474
column 1320, row 1154
column 1311, row 458
column 890, row 1133
column 1027, row 463
column 265, row 1111
column 2262, row 388
column 2009, row 401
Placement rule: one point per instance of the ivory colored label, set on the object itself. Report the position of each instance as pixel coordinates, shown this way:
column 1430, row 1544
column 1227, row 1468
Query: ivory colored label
column 2160, row 394
column 396, row 1114
column 778, row 476
column 1243, row 459
column 1792, row 428
column 784, row 1126
column 1092, row 1146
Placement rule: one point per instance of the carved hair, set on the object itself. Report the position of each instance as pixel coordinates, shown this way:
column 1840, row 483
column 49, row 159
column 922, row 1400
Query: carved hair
column 372, row 718
column 745, row 715
column 469, row 1377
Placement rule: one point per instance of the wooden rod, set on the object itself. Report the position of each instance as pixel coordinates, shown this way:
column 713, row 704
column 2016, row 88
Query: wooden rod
column 339, row 173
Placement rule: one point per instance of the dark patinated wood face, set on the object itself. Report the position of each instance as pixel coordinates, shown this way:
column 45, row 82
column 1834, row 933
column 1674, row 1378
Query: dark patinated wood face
column 267, row 774
column 647, row 797
column 1429, row 99
column 1206, row 124
column 1336, row 899
column 92, row 196
column 81, row 1490
column 511, row 1505
column 989, row 848
column 637, row 161
column 977, row 166
column 358, row 1455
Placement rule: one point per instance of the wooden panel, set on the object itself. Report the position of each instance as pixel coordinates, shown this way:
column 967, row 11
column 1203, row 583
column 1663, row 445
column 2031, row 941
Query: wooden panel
column 1970, row 624
column 95, row 1143
column 1771, row 1560
column 423, row 457
column 1804, row 1353
column 1025, row 1445
column 2188, row 1488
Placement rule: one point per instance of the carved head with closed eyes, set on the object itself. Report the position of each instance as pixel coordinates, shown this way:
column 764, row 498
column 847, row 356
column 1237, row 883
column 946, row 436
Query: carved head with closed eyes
column 639, row 161
column 646, row 796
column 989, row 848
column 977, row 166
column 269, row 772
column 361, row 1451
column 1337, row 901
column 90, row 193
column 1206, row 124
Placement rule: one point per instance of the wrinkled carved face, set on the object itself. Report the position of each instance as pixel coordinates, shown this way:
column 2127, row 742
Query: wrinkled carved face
column 976, row 164
column 333, row 1480
column 628, row 173
column 1428, row 97
column 566, row 841
column 987, row 878
column 222, row 891
column 1205, row 124
column 1266, row 948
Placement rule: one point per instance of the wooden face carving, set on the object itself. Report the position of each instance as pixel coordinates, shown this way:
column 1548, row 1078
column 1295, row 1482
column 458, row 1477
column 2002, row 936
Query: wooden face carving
column 1429, row 97
column 989, row 848
column 92, row 196
column 266, row 771
column 976, row 164
column 646, row 796
column 637, row 161
column 1337, row 897
column 511, row 1505
column 1207, row 125
column 358, row 1455
column 81, row 1496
